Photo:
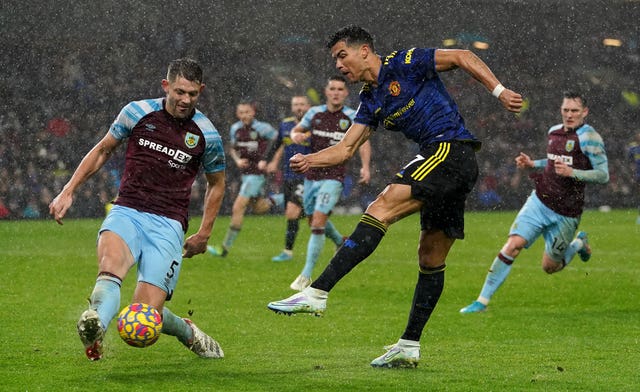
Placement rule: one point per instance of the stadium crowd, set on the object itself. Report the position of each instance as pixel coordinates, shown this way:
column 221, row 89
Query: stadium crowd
column 58, row 110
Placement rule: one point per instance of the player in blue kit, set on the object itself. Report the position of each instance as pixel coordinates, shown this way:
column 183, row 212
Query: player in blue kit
column 404, row 93
column 575, row 156
column 168, row 142
column 293, row 183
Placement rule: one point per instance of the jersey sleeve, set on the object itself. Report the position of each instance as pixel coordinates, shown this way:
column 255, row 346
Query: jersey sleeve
column 232, row 132
column 420, row 61
column 365, row 113
column 213, row 160
column 349, row 112
column 592, row 146
column 266, row 130
column 308, row 116
column 130, row 115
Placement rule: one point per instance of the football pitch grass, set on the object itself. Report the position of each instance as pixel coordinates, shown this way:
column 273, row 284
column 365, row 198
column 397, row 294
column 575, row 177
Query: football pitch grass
column 577, row 330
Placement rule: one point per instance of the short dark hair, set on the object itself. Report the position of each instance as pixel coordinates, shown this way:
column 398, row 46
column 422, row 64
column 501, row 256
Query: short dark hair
column 186, row 68
column 338, row 78
column 351, row 34
column 575, row 95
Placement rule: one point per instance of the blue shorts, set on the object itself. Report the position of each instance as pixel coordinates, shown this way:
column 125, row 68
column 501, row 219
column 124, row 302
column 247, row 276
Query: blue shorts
column 252, row 185
column 154, row 241
column 321, row 195
column 535, row 219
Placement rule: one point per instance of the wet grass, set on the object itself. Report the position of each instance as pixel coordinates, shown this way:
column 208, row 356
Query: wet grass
column 576, row 330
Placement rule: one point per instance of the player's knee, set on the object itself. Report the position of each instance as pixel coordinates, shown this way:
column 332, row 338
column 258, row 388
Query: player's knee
column 430, row 260
column 551, row 267
column 513, row 248
column 261, row 206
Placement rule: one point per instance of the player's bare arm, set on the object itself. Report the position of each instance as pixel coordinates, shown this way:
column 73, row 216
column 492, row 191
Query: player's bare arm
column 299, row 134
column 272, row 166
column 91, row 163
column 197, row 243
column 449, row 59
column 524, row 161
column 562, row 169
column 337, row 154
column 240, row 162
column 365, row 159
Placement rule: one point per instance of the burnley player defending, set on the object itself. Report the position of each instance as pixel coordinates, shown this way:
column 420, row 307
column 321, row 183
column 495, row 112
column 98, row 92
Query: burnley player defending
column 168, row 142
column 404, row 93
column 575, row 156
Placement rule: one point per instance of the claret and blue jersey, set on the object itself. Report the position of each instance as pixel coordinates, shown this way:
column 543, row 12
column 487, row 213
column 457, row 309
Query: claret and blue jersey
column 410, row 98
column 164, row 155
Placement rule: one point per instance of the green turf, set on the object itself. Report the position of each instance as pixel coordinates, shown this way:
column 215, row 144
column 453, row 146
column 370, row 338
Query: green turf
column 578, row 330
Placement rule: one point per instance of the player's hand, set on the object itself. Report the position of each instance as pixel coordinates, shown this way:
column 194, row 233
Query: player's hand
column 242, row 163
column 300, row 137
column 272, row 167
column 59, row 206
column 262, row 165
column 195, row 245
column 298, row 163
column 523, row 161
column 562, row 169
column 511, row 100
column 365, row 176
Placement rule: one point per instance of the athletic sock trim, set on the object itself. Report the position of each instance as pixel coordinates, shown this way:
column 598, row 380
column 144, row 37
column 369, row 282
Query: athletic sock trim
column 372, row 221
column 505, row 259
column 434, row 270
column 104, row 275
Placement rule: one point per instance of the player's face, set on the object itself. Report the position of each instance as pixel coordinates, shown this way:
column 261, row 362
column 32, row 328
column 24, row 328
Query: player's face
column 299, row 106
column 245, row 113
column 336, row 92
column 182, row 96
column 348, row 60
column 573, row 112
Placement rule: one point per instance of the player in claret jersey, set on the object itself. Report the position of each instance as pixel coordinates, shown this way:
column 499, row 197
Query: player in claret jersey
column 575, row 156
column 250, row 141
column 168, row 141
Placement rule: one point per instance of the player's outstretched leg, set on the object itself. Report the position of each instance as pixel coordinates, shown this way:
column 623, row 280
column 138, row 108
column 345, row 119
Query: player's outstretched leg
column 103, row 306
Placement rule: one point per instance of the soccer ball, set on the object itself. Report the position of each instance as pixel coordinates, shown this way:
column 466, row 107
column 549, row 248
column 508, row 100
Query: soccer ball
column 139, row 325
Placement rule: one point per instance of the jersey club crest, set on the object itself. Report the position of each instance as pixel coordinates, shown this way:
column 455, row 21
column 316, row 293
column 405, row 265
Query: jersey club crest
column 191, row 140
column 570, row 145
column 394, row 88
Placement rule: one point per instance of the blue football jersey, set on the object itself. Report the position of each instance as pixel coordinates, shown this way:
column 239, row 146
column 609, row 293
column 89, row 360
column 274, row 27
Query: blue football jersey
column 410, row 98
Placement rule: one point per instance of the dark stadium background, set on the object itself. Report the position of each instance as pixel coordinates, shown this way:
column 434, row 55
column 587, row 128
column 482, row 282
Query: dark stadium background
column 69, row 66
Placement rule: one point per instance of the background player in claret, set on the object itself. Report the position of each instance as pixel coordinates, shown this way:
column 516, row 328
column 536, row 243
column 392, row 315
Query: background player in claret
column 404, row 93
column 168, row 142
column 323, row 126
column 575, row 156
column 250, row 141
